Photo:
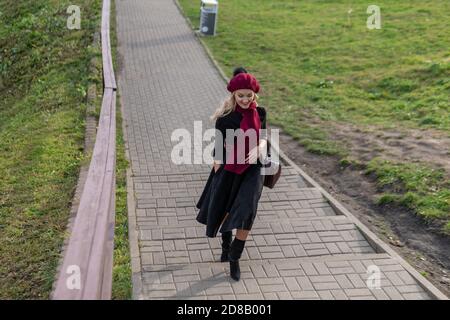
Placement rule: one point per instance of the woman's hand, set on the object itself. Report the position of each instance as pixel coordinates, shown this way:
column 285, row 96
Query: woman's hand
column 262, row 150
column 216, row 166
column 259, row 151
column 252, row 155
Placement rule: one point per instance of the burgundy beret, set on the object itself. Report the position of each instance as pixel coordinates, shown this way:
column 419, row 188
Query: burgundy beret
column 243, row 81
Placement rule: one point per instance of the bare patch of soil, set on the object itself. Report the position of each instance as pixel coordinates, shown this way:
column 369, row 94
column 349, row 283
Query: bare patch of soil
column 417, row 242
column 417, row 146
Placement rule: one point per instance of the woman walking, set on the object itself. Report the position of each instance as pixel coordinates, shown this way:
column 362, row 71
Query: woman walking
column 230, row 198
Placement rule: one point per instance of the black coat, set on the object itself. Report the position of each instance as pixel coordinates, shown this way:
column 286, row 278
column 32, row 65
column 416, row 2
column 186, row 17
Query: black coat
column 228, row 192
column 233, row 121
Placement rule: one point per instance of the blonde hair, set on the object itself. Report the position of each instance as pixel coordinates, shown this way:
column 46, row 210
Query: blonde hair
column 228, row 106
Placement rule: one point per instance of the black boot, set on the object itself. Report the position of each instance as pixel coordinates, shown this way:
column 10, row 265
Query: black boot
column 226, row 243
column 237, row 246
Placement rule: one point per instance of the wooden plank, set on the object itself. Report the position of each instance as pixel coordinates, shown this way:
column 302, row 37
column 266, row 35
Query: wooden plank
column 90, row 243
column 109, row 252
column 109, row 246
column 108, row 70
column 100, row 247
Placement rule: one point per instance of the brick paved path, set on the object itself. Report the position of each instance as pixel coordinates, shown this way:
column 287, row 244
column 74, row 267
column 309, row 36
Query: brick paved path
column 299, row 247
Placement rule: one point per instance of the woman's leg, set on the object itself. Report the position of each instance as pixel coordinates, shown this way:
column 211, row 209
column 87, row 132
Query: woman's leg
column 242, row 234
column 226, row 242
column 226, row 245
column 236, row 249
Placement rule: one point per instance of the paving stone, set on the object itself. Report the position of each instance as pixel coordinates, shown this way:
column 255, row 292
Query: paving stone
column 339, row 294
column 416, row 296
column 305, row 295
column 326, row 285
column 297, row 245
column 326, row 295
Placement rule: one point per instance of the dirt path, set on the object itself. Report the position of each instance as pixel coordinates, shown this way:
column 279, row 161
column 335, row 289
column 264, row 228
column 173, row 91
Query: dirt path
column 428, row 146
column 405, row 232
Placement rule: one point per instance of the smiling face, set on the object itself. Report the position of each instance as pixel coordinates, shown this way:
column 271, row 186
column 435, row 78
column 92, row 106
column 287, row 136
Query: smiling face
column 244, row 97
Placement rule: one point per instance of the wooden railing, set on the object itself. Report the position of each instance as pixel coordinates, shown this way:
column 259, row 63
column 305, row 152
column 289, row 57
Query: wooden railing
column 86, row 272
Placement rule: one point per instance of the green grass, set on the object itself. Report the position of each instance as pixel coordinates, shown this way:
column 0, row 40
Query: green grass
column 122, row 283
column 44, row 72
column 319, row 65
column 425, row 274
column 422, row 189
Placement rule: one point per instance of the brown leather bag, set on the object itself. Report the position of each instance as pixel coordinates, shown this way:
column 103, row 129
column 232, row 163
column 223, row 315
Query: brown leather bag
column 271, row 179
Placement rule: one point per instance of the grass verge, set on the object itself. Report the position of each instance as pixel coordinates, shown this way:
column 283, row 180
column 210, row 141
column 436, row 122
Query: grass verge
column 319, row 64
column 122, row 284
column 44, row 75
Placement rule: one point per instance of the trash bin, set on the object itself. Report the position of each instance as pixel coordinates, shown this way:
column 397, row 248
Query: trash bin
column 208, row 16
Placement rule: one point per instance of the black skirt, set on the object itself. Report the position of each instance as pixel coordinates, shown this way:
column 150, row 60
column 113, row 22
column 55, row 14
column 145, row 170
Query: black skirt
column 232, row 193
